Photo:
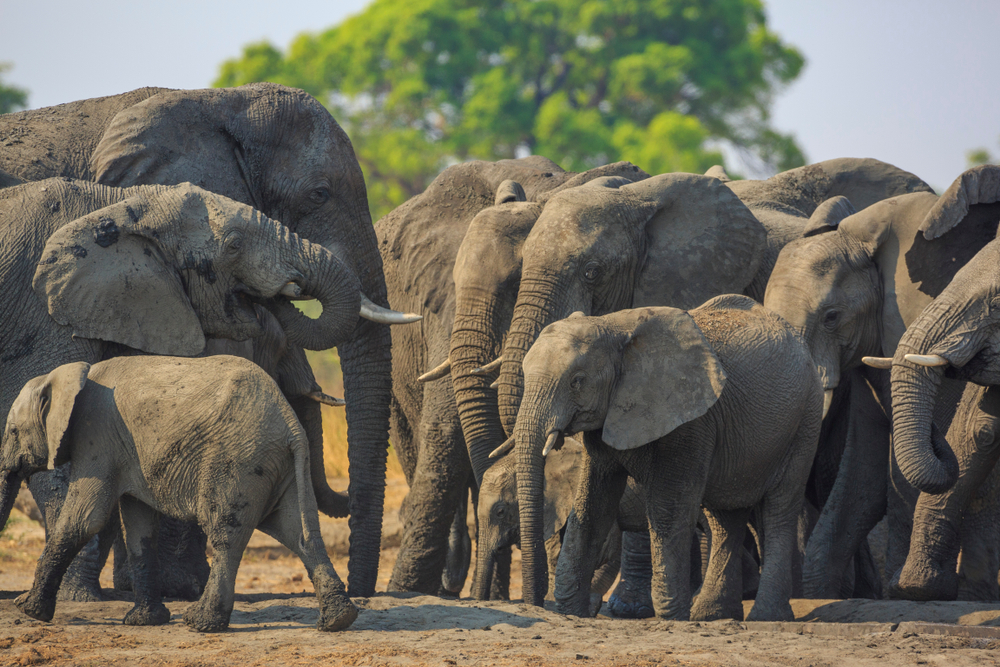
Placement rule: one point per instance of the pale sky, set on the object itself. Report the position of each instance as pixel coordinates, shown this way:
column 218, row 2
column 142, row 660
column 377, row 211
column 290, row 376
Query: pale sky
column 912, row 82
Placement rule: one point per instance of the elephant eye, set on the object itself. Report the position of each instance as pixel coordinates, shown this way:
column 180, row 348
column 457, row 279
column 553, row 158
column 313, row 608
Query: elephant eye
column 577, row 381
column 592, row 271
column 234, row 241
column 831, row 318
column 319, row 195
column 499, row 511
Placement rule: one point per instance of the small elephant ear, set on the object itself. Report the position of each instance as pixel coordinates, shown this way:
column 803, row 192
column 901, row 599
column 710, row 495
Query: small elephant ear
column 60, row 390
column 828, row 215
column 719, row 172
column 670, row 375
column 106, row 275
column 509, row 191
column 979, row 185
column 626, row 171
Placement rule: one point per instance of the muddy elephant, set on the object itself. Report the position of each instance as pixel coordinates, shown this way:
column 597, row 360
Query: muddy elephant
column 103, row 271
column 210, row 440
column 852, row 290
column 279, row 150
column 719, row 407
column 472, row 214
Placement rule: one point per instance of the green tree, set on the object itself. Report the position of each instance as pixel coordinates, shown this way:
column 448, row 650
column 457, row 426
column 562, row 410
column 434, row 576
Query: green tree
column 980, row 156
column 419, row 84
column 12, row 98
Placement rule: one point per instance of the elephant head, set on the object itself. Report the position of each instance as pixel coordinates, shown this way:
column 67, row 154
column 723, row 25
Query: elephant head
column 852, row 288
column 673, row 239
column 178, row 263
column 34, row 434
column 618, row 373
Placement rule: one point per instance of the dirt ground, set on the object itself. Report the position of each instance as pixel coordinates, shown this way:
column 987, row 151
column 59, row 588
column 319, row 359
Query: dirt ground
column 273, row 624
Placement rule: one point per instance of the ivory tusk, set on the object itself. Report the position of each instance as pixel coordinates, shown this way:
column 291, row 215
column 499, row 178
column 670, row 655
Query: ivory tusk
column 376, row 313
column 550, row 443
column 488, row 368
column 436, row 373
column 326, row 399
column 291, row 290
column 877, row 362
column 827, row 399
column 926, row 359
column 507, row 445
column 496, row 384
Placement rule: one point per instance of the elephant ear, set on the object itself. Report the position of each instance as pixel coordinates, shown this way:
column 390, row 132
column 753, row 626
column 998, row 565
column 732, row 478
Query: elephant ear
column 701, row 240
column 979, row 185
column 106, row 275
column 719, row 172
column 59, row 391
column 625, row 171
column 669, row 375
column 828, row 215
column 509, row 191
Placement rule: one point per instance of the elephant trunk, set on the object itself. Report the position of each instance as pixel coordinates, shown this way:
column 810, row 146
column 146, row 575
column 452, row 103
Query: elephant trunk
column 9, row 486
column 486, row 553
column 534, row 426
column 923, row 454
column 336, row 287
column 476, row 341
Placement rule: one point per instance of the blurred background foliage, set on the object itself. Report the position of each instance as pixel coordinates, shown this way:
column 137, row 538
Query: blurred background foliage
column 12, row 98
column 671, row 85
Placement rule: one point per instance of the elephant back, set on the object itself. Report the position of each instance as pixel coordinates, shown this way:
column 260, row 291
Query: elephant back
column 58, row 140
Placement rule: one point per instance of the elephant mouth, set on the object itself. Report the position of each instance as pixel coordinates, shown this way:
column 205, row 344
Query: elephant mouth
column 240, row 306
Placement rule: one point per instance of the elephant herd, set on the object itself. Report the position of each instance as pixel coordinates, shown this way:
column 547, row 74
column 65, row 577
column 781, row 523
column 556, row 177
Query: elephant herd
column 757, row 372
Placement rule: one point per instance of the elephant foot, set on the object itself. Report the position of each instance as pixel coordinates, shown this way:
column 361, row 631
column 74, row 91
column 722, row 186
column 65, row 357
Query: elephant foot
column 778, row 611
column 630, row 601
column 35, row 606
column 69, row 592
column 927, row 581
column 596, row 602
column 715, row 610
column 336, row 612
column 147, row 614
column 200, row 619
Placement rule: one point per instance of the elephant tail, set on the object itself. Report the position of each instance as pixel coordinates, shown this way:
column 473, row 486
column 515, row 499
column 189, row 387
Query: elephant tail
column 308, row 509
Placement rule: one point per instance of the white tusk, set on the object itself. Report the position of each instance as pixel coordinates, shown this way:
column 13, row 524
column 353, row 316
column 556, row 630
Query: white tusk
column 291, row 290
column 376, row 313
column 496, row 384
column 488, row 368
column 507, row 445
column 877, row 362
column 550, row 443
column 827, row 399
column 436, row 373
column 326, row 399
column 926, row 359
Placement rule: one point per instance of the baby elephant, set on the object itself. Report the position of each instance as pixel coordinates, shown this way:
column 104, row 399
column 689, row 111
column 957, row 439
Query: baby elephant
column 719, row 407
column 210, row 440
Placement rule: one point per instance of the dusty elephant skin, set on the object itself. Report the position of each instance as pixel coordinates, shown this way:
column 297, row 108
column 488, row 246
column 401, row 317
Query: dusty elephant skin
column 105, row 271
column 852, row 290
column 210, row 440
column 277, row 149
column 433, row 247
column 741, row 434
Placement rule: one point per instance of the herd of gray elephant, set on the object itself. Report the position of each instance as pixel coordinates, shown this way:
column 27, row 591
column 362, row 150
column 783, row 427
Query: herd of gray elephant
column 715, row 388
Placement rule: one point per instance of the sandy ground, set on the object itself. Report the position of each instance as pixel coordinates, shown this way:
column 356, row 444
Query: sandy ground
column 273, row 624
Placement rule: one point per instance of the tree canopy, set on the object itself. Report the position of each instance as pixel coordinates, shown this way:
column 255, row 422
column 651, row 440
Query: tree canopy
column 420, row 84
column 12, row 98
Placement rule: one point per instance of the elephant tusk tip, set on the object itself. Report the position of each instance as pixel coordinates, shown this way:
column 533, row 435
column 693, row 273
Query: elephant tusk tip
column 488, row 368
column 503, row 449
column 884, row 363
column 495, row 384
column 929, row 360
column 550, row 443
column 436, row 373
column 326, row 399
column 827, row 399
column 376, row 313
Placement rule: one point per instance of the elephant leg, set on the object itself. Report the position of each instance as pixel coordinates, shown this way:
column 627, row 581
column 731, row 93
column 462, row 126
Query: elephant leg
column 606, row 574
column 600, row 484
column 81, row 582
column 632, row 597
column 285, row 525
column 751, row 569
column 141, row 528
column 857, row 501
column 86, row 509
column 867, row 579
column 977, row 572
column 721, row 593
column 212, row 610
column 456, row 567
column 440, row 480
column 902, row 502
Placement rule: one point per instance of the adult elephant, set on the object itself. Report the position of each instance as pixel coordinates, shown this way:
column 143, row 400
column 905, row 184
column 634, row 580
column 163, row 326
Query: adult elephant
column 277, row 149
column 852, row 290
column 175, row 264
column 477, row 206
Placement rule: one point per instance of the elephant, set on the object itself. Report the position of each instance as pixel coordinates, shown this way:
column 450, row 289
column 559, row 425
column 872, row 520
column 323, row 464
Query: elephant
column 103, row 271
column 210, row 440
column 851, row 290
column 719, row 407
column 473, row 207
column 6, row 180
column 277, row 149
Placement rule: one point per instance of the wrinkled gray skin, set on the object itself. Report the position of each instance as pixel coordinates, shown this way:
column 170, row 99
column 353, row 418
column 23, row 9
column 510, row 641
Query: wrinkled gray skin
column 277, row 149
column 468, row 208
column 138, row 442
column 742, row 433
column 175, row 264
column 852, row 290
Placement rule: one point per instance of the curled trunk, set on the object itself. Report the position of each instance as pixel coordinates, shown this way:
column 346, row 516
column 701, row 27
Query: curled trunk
column 923, row 454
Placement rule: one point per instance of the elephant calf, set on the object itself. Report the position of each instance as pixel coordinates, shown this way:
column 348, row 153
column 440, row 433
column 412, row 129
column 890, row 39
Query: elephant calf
column 719, row 407
column 210, row 440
